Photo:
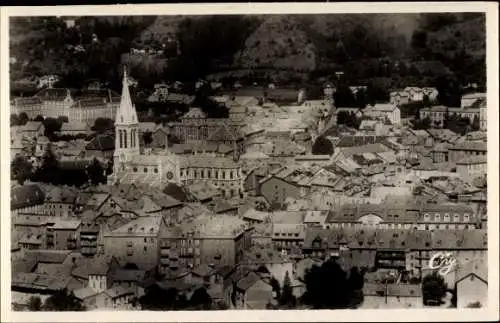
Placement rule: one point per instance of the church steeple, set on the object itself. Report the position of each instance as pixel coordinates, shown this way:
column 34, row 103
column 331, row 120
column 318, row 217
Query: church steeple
column 126, row 113
column 126, row 130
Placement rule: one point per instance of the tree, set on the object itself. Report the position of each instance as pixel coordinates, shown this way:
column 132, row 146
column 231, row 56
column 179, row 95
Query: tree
column 35, row 304
column 328, row 287
column 322, row 146
column 275, row 286
column 21, row 169
column 102, row 125
column 433, row 289
column 95, row 173
column 51, row 126
column 38, row 118
column 23, row 118
column 158, row 299
column 200, row 299
column 62, row 119
column 147, row 137
column 287, row 299
column 63, row 300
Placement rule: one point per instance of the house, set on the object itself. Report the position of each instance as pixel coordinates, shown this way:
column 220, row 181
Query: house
column 472, row 285
column 64, row 235
column 28, row 198
column 465, row 149
column 472, row 167
column 74, row 128
column 31, row 129
column 469, row 99
column 102, row 146
column 437, row 114
column 399, row 98
column 135, row 242
column 404, row 296
column 60, row 201
column 276, row 190
column 252, row 293
column 384, row 111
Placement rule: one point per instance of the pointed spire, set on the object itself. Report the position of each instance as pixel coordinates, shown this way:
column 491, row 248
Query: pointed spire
column 126, row 111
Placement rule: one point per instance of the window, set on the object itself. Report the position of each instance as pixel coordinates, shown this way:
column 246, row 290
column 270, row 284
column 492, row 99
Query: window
column 466, row 217
column 446, row 217
column 145, row 248
column 145, row 240
column 427, row 217
column 437, row 217
column 156, row 170
column 145, row 169
column 125, row 139
column 456, row 217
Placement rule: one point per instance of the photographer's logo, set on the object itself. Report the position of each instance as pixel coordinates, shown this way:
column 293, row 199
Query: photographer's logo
column 444, row 262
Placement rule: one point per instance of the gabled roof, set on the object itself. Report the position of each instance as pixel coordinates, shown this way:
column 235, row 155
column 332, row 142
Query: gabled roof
column 26, row 195
column 102, row 143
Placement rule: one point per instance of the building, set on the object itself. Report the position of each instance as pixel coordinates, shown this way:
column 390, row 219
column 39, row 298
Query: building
column 461, row 150
column 132, row 166
column 436, row 114
column 102, row 146
column 32, row 106
column 136, row 242
column 208, row 239
column 87, row 106
column 32, row 129
column 469, row 99
column 399, row 98
column 60, row 201
column 472, row 167
column 384, row 111
column 64, row 235
column 28, row 198
column 391, row 296
column 74, row 128
column 472, row 285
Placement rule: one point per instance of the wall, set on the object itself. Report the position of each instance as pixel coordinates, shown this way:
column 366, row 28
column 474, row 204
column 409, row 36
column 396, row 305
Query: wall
column 276, row 190
column 143, row 258
column 471, row 289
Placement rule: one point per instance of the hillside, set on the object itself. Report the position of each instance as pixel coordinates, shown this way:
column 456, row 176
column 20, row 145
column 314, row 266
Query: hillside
column 279, row 42
column 403, row 47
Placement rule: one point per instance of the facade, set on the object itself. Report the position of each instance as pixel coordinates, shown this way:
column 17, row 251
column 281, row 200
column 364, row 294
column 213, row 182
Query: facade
column 472, row 167
column 55, row 102
column 208, row 240
column 135, row 242
column 466, row 149
column 384, row 111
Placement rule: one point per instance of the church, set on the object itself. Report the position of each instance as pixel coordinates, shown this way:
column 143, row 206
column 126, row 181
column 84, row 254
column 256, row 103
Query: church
column 135, row 164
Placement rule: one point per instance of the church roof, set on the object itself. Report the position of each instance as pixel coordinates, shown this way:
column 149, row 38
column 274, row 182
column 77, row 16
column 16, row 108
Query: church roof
column 126, row 113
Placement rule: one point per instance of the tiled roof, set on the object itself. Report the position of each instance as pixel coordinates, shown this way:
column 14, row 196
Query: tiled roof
column 55, row 94
column 26, row 195
column 74, row 126
column 143, row 226
column 61, row 224
column 470, row 145
column 24, row 101
column 31, row 126
column 480, row 159
column 61, row 195
column 102, row 143
column 247, row 281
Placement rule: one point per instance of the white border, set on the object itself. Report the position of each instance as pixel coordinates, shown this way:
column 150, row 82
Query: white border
column 491, row 313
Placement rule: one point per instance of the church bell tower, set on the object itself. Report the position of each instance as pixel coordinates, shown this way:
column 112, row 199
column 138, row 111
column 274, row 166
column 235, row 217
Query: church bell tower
column 126, row 130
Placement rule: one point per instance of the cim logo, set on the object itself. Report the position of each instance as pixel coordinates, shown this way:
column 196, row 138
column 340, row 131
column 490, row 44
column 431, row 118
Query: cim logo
column 443, row 262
